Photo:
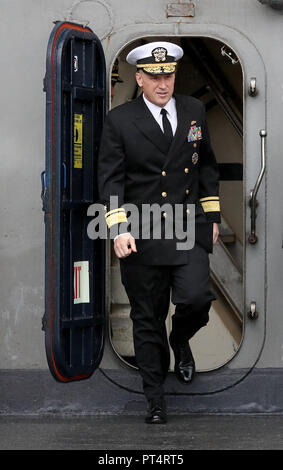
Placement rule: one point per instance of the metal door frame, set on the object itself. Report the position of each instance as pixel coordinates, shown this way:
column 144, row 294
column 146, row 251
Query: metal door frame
column 254, row 119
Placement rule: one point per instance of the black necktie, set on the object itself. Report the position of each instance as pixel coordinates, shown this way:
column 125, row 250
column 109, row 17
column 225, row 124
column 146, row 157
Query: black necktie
column 166, row 125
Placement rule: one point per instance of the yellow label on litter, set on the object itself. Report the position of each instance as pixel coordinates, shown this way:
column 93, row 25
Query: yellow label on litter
column 78, row 140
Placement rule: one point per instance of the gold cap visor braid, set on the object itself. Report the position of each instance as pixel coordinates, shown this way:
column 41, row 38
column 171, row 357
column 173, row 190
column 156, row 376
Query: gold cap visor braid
column 169, row 67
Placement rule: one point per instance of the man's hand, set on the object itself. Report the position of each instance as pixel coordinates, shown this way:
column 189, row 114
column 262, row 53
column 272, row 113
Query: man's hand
column 124, row 245
column 215, row 232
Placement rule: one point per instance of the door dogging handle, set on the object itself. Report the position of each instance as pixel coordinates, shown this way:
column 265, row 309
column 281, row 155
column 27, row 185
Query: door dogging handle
column 253, row 202
column 253, row 314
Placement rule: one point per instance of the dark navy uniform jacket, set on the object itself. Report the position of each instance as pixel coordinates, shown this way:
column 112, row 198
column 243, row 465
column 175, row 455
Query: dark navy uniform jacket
column 140, row 166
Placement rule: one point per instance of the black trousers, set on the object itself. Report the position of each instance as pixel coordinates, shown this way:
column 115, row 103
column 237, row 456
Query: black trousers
column 148, row 288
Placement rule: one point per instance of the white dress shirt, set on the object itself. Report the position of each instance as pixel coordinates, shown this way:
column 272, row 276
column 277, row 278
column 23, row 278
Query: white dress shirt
column 156, row 112
column 171, row 112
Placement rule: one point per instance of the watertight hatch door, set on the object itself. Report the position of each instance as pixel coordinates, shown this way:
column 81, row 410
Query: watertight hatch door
column 74, row 319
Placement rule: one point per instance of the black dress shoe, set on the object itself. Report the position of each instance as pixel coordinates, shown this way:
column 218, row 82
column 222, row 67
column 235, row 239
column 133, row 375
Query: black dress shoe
column 156, row 411
column 184, row 361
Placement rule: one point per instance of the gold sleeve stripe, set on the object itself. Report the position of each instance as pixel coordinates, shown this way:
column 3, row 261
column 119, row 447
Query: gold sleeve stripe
column 211, row 206
column 116, row 218
column 210, row 198
column 120, row 209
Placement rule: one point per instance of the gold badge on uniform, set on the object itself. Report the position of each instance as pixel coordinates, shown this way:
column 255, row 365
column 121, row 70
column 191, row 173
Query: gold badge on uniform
column 195, row 158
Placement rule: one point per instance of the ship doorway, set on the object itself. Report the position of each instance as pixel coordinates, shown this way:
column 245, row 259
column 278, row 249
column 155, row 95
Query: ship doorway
column 211, row 72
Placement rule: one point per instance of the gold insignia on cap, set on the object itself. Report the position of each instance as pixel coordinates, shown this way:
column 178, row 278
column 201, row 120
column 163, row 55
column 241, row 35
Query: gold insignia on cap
column 159, row 54
column 156, row 68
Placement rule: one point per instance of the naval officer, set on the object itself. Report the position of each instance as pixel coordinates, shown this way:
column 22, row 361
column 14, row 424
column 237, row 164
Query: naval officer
column 155, row 150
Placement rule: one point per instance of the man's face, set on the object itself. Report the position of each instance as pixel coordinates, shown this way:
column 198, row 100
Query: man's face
column 158, row 89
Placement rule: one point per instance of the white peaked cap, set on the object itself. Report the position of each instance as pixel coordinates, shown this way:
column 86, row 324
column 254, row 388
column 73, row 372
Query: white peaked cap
column 145, row 51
